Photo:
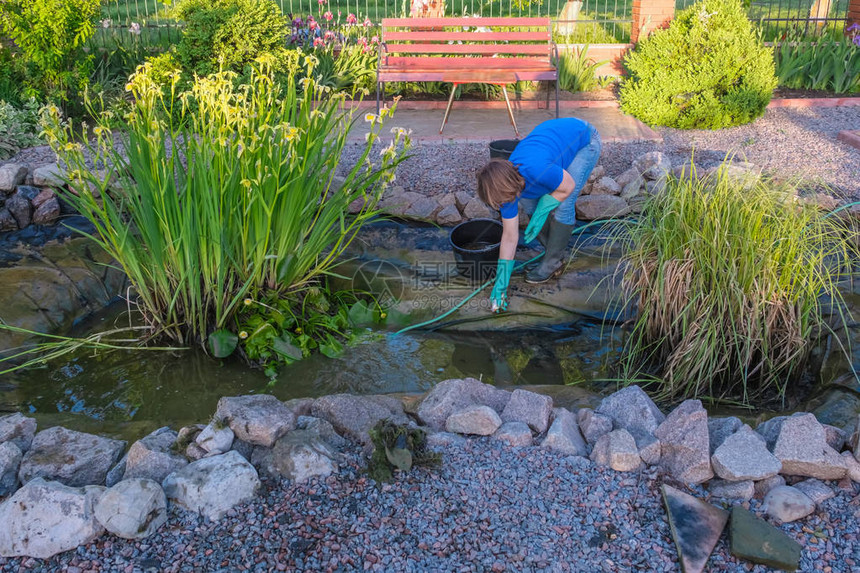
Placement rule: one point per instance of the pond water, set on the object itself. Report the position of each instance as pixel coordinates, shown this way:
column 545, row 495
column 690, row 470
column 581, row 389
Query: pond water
column 552, row 336
column 128, row 394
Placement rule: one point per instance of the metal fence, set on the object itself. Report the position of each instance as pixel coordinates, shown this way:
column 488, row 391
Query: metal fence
column 596, row 21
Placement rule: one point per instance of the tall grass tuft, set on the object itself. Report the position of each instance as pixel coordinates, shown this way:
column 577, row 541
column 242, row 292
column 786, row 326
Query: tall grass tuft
column 728, row 276
column 222, row 193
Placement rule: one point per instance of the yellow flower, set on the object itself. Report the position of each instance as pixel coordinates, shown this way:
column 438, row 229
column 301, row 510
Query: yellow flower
column 243, row 335
column 371, row 117
column 299, row 330
column 246, row 183
column 382, row 315
column 248, row 302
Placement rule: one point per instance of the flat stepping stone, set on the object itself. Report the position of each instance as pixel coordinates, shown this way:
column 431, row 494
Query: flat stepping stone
column 756, row 540
column 696, row 527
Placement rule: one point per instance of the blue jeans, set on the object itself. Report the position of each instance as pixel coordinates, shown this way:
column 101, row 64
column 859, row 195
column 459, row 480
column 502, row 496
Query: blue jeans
column 580, row 169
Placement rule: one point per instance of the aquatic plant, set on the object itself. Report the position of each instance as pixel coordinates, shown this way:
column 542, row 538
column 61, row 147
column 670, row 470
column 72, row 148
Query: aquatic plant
column 818, row 63
column 398, row 447
column 222, row 194
column 729, row 276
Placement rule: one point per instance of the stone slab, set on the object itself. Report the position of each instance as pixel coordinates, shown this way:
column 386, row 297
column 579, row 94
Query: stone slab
column 754, row 539
column 696, row 527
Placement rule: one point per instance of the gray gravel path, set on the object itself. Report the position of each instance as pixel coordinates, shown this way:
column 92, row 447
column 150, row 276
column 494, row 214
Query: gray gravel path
column 490, row 507
column 789, row 142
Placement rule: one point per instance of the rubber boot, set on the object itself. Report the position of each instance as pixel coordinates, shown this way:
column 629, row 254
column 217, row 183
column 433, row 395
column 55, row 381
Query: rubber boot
column 556, row 251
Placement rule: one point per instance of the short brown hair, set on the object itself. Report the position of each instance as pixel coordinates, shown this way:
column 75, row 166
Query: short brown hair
column 499, row 182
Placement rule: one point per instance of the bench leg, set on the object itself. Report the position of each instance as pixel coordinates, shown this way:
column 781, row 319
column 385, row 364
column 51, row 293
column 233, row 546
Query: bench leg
column 377, row 98
column 510, row 109
column 556, row 99
column 448, row 109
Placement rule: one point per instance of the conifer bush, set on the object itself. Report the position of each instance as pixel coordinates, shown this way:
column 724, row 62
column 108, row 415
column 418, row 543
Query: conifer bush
column 709, row 69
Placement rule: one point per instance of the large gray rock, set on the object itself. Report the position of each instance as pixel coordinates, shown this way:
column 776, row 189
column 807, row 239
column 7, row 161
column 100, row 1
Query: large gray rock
column 563, row 435
column 802, row 448
column 7, row 221
column 354, row 416
column 631, row 409
column 769, row 430
column 529, row 407
column 153, row 457
column 258, row 419
column 685, row 448
column 514, row 434
column 617, row 450
column 132, row 509
column 852, row 465
column 69, row 457
column 449, row 215
column 21, row 210
column 50, row 175
column 476, row 209
column 696, row 527
column 732, row 490
column 816, row 490
column 424, row 209
column 786, row 504
column 47, row 213
column 605, row 186
column 765, row 485
column 474, row 420
column 298, row 456
column 18, row 429
column 213, row 485
column 593, row 425
column 215, row 439
column 10, row 462
column 593, row 207
column 44, row 518
column 451, row 395
column 653, row 165
column 323, row 429
column 744, row 456
column 11, row 175
column 721, row 428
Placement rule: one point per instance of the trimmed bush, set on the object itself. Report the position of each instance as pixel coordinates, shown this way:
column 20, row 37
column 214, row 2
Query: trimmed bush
column 708, row 70
column 232, row 34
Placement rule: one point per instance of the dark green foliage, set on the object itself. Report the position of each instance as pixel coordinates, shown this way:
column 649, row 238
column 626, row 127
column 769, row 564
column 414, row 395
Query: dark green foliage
column 708, row 70
column 49, row 39
column 230, row 33
column 398, row 447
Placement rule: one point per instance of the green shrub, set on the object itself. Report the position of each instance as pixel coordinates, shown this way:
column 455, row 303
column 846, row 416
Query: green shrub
column 19, row 127
column 729, row 278
column 231, row 34
column 708, row 70
column 224, row 194
column 51, row 35
column 819, row 64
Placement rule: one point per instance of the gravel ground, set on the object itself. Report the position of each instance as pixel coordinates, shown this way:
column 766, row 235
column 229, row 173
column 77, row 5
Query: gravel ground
column 489, row 507
column 789, row 142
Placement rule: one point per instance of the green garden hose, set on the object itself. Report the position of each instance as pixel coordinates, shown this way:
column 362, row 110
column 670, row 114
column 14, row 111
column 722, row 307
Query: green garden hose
column 488, row 283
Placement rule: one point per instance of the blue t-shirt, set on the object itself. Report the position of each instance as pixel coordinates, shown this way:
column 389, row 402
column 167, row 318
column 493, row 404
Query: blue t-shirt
column 543, row 155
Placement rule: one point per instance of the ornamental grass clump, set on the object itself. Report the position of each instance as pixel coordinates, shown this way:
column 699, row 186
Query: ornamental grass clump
column 728, row 276
column 223, row 197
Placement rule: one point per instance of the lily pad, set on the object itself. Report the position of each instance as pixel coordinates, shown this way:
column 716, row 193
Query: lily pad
column 401, row 458
column 222, row 343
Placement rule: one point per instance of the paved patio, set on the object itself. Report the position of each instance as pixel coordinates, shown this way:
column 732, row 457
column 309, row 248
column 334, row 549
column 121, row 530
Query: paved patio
column 467, row 125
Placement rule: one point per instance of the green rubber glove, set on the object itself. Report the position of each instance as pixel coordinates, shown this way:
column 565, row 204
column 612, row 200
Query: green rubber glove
column 544, row 207
column 499, row 296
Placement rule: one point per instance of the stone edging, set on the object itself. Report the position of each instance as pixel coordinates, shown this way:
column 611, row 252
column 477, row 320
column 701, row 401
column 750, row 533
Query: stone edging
column 211, row 469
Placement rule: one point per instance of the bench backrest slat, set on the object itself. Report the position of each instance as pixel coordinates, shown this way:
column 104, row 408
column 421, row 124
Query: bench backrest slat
column 416, row 23
column 425, row 63
column 530, row 49
column 467, row 36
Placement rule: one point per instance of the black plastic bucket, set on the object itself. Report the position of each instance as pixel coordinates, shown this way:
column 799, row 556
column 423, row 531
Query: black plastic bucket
column 476, row 248
column 502, row 148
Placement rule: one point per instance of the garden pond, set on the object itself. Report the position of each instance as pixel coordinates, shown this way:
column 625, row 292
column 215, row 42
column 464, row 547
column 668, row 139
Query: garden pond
column 554, row 340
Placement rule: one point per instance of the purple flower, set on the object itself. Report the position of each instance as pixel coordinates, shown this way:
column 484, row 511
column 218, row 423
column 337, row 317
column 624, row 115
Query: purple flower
column 853, row 27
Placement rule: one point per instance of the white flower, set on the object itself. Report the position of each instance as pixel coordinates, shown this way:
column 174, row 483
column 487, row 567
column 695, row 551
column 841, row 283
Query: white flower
column 371, row 118
column 134, row 28
column 106, row 23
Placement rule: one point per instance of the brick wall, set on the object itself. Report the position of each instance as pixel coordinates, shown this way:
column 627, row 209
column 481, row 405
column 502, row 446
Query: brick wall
column 853, row 13
column 648, row 15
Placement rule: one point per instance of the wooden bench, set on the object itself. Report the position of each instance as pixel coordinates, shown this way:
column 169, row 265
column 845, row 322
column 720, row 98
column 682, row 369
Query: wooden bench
column 497, row 51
